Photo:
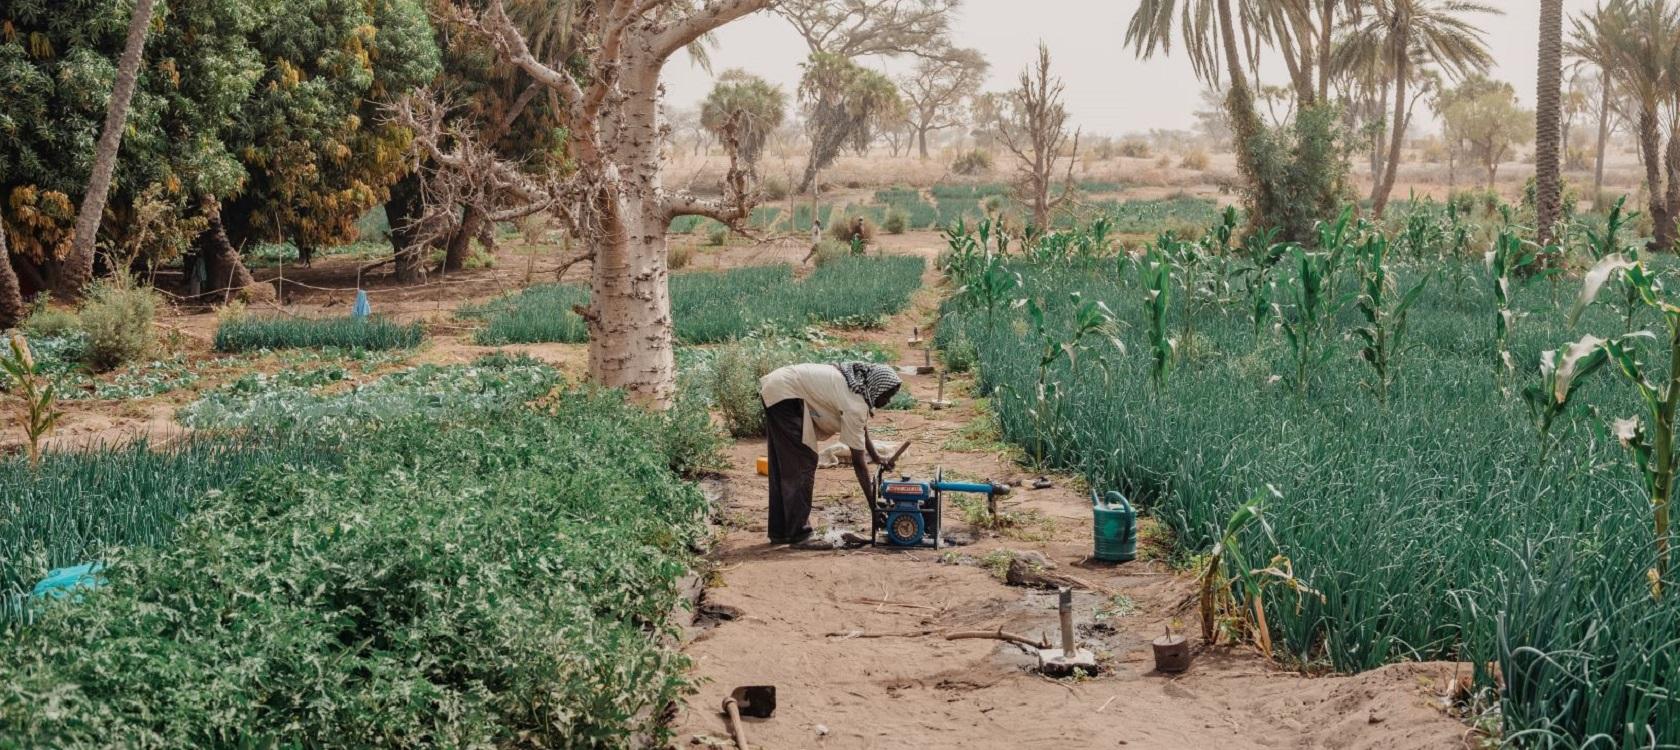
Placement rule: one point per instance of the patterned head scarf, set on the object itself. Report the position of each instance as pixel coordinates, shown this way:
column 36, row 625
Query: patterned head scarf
column 869, row 380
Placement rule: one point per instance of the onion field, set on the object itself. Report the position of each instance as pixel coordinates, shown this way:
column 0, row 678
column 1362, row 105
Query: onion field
column 710, row 307
column 1442, row 505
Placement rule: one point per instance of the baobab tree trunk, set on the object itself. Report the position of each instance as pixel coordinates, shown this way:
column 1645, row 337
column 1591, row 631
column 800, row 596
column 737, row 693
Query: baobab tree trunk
column 11, row 295
column 630, row 335
column 78, row 268
column 1547, row 189
column 616, row 137
column 1603, row 141
column 1397, row 131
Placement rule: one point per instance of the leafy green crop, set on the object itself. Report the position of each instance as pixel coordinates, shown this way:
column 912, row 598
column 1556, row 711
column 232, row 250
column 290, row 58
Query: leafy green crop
column 504, row 581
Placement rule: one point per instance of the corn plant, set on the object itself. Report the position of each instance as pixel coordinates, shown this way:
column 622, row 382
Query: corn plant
column 1155, row 273
column 1603, row 244
column 1651, row 439
column 963, row 254
column 1312, row 311
column 1384, row 331
column 1560, row 378
column 1092, row 322
column 991, row 288
column 40, row 401
column 1227, row 571
column 1458, row 235
column 1510, row 260
column 1222, row 231
column 1422, row 232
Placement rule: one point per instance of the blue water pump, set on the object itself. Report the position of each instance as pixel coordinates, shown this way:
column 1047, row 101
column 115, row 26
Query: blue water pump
column 908, row 511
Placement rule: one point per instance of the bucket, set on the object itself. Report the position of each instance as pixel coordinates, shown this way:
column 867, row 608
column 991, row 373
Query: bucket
column 1114, row 527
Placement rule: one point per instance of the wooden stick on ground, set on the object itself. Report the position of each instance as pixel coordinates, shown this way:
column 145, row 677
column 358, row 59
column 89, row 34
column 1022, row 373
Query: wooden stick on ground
column 997, row 635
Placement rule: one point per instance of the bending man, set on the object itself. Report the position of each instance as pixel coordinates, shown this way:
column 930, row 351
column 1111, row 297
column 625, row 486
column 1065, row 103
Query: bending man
column 804, row 405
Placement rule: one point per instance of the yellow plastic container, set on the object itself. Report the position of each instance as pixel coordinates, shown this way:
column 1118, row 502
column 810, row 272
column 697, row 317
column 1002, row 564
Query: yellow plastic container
column 763, row 466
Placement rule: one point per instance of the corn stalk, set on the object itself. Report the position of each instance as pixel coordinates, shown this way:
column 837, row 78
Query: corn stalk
column 39, row 398
column 1156, row 274
column 1385, row 320
column 1651, row 439
column 1092, row 321
column 1227, row 571
column 1510, row 259
column 1312, row 312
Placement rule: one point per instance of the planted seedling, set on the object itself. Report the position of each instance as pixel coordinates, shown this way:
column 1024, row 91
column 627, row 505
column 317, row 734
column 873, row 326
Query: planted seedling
column 40, row 401
column 1384, row 331
column 1312, row 311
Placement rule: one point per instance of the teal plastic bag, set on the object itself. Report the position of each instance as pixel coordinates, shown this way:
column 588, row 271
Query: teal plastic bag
column 61, row 582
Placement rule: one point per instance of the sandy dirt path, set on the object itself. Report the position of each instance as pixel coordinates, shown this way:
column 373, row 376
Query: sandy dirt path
column 851, row 639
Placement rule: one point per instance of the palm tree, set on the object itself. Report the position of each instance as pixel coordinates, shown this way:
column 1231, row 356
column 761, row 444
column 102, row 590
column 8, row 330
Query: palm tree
column 1547, row 113
column 1412, row 34
column 1591, row 45
column 1641, row 39
column 1209, row 31
column 78, row 270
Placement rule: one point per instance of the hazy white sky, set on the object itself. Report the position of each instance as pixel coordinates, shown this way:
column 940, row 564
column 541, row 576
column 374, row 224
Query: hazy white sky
column 1108, row 90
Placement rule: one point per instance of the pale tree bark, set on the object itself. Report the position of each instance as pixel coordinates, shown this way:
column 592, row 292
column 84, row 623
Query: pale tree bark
column 617, row 203
column 1547, row 188
column 11, row 295
column 78, row 268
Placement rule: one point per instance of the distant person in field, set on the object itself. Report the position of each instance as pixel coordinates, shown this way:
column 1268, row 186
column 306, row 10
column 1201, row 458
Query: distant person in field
column 816, row 240
column 804, row 405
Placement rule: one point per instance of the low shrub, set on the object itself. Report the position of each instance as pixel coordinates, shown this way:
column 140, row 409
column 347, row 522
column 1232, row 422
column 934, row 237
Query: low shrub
column 829, row 251
column 717, row 235
column 1196, row 159
column 678, row 255
column 242, row 333
column 734, row 385
column 853, row 226
column 774, row 188
column 1132, row 148
column 47, row 321
column 896, row 222
column 972, row 163
column 117, row 320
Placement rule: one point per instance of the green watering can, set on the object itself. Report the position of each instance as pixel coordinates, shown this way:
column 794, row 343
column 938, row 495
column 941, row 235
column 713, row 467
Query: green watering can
column 1114, row 527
